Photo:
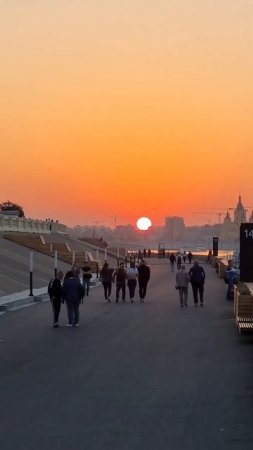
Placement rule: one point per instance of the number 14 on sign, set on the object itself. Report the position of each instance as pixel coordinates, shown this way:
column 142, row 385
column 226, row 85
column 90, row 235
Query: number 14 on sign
column 248, row 233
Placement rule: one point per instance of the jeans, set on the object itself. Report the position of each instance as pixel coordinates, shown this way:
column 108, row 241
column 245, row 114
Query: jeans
column 142, row 289
column 119, row 286
column 56, row 305
column 230, row 291
column 73, row 312
column 107, row 285
column 86, row 285
column 183, row 295
column 131, row 286
column 198, row 288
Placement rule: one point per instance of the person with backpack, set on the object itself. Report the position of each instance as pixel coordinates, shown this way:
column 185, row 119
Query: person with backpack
column 120, row 275
column 55, row 295
column 197, row 279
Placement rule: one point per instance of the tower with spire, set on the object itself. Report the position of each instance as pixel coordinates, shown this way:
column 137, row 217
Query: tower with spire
column 239, row 213
column 227, row 218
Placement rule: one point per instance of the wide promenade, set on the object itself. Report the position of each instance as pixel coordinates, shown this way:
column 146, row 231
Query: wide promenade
column 149, row 376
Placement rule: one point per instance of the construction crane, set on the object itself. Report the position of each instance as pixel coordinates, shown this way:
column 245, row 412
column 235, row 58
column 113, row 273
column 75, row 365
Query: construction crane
column 246, row 209
column 218, row 213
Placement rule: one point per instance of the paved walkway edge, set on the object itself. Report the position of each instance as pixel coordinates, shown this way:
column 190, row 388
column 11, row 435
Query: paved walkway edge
column 23, row 298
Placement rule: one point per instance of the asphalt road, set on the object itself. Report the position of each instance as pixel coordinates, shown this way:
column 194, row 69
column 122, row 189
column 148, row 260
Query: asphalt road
column 149, row 376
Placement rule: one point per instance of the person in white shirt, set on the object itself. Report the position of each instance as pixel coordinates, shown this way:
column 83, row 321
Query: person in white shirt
column 132, row 275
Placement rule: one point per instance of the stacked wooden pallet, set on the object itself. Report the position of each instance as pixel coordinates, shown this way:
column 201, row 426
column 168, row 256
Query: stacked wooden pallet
column 243, row 309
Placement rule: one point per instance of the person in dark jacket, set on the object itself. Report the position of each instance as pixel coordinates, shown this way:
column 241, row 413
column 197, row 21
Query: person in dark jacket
column 106, row 278
column 55, row 295
column 190, row 256
column 143, row 279
column 120, row 275
column 172, row 259
column 73, row 293
column 87, row 275
column 197, row 279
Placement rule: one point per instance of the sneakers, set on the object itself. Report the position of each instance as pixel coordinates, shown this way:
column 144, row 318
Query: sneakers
column 201, row 304
column 76, row 325
column 68, row 324
column 108, row 299
column 55, row 325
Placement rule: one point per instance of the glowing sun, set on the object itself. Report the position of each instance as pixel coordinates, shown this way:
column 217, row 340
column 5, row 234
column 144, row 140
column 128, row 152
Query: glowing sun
column 143, row 223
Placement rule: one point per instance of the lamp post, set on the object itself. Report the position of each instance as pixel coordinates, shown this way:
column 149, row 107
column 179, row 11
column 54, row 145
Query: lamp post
column 31, row 272
column 97, row 261
column 55, row 263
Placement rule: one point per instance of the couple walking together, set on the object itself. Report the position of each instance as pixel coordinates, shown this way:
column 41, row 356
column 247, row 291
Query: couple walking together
column 196, row 276
column 70, row 291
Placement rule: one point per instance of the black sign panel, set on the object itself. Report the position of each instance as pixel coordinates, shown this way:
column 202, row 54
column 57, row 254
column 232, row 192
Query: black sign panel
column 246, row 252
column 215, row 246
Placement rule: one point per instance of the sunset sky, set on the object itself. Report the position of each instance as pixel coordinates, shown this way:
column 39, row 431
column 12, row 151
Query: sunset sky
column 126, row 108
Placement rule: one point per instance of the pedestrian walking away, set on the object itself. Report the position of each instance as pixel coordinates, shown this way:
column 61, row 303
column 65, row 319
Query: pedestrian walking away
column 182, row 281
column 106, row 275
column 73, row 293
column 87, row 275
column 190, row 256
column 120, row 275
column 197, row 279
column 55, row 295
column 132, row 275
column 179, row 260
column 143, row 279
column 75, row 269
column 172, row 261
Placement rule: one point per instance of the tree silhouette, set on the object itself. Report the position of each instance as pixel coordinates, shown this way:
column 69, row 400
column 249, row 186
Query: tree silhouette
column 10, row 206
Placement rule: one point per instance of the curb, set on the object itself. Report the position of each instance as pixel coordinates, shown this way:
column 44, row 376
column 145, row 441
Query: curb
column 22, row 299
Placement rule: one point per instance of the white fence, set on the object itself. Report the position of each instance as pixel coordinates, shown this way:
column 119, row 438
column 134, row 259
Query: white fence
column 31, row 225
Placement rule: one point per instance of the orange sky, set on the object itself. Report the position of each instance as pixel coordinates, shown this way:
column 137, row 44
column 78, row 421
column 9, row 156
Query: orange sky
column 124, row 109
